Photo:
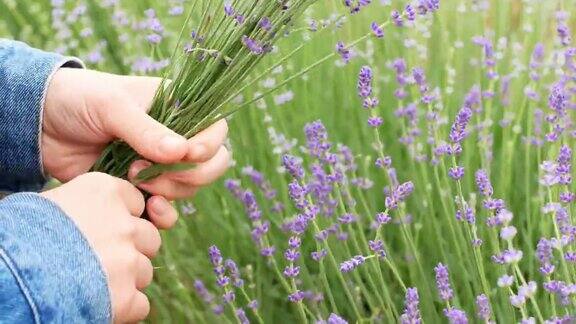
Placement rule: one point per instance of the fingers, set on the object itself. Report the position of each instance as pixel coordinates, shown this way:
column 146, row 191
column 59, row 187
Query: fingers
column 162, row 214
column 145, row 272
column 147, row 136
column 205, row 173
column 206, row 144
column 147, row 238
column 140, row 308
column 178, row 185
column 132, row 197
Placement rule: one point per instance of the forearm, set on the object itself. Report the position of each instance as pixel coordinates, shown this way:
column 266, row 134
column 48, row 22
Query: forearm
column 24, row 77
column 48, row 271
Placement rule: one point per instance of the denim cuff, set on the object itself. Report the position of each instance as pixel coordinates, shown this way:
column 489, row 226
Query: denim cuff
column 25, row 74
column 53, row 264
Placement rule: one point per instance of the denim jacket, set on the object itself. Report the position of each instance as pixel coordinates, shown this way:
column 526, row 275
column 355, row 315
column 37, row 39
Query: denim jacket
column 48, row 271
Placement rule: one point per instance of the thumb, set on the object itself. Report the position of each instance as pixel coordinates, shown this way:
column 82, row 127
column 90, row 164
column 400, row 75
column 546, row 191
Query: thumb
column 146, row 136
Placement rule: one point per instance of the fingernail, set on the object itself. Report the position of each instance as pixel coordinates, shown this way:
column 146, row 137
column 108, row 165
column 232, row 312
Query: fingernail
column 170, row 143
column 160, row 206
column 138, row 166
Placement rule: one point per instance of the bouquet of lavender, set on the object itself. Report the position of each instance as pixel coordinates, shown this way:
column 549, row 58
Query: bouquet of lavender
column 226, row 46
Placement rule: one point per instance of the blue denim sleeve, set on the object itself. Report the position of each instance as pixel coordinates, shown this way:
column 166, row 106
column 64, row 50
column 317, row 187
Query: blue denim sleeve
column 48, row 272
column 25, row 73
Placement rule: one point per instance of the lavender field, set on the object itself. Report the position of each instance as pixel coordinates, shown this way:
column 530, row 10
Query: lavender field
column 393, row 161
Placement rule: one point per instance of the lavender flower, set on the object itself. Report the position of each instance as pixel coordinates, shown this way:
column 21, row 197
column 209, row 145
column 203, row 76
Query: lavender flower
column 458, row 130
column 335, row 319
column 365, row 82
column 483, row 183
column 296, row 296
column 399, row 194
column 443, row 282
column 507, row 233
column 234, row 272
column 352, row 264
column 456, row 316
column 544, row 255
column 377, row 30
column 265, row 24
column 318, row 255
column 375, row 121
column 215, row 255
column 252, row 45
column 343, row 51
column 383, row 218
column 397, row 18
column 505, row 281
column 377, row 246
column 317, row 142
column 291, row 271
column 411, row 313
column 201, row 290
column 456, row 173
column 483, row 308
column 293, row 165
column 242, row 316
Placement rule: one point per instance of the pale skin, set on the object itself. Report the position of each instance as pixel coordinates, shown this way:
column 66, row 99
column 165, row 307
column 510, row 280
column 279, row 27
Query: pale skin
column 84, row 111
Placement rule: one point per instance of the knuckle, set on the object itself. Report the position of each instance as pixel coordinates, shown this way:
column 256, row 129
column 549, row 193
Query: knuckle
column 128, row 229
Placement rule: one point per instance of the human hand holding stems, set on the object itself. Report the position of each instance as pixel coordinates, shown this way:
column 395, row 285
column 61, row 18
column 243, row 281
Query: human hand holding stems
column 86, row 110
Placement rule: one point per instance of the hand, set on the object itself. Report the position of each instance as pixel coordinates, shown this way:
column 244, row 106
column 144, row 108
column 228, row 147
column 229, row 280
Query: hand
column 106, row 210
column 85, row 110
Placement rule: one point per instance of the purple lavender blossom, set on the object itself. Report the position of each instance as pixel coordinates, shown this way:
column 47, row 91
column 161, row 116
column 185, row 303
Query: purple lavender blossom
column 377, row 246
column 265, row 24
column 507, row 233
column 505, row 281
column 483, row 308
column 456, row 316
column 318, row 144
column 410, row 12
column 365, row 82
column 335, row 319
column 411, row 313
column 291, row 271
column 296, row 296
column 318, row 255
column 544, row 255
column 383, row 218
column 234, row 272
column 399, row 194
column 352, row 264
column 252, row 45
column 215, row 255
column 483, row 183
column 377, row 30
column 251, row 205
column 443, row 282
column 397, row 18
column 344, row 52
column 253, row 304
column 229, row 296
column 201, row 290
column 242, row 316
column 375, row 121
column 456, row 173
column 229, row 10
column 293, row 165
column 563, row 30
column 458, row 129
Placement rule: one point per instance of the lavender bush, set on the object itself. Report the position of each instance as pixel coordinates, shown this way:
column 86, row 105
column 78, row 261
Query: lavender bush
column 406, row 161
